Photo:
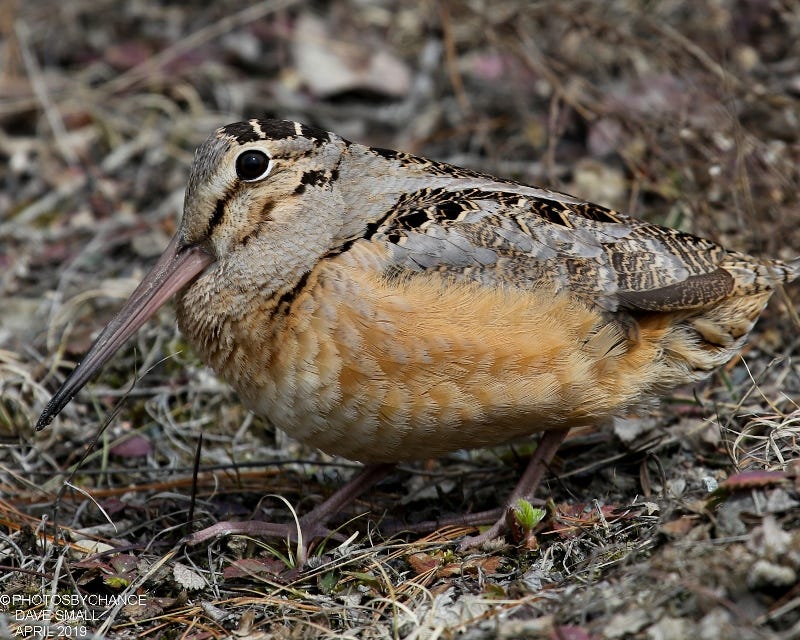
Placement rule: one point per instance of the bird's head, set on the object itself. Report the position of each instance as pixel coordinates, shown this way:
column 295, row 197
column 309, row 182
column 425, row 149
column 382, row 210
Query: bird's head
column 260, row 208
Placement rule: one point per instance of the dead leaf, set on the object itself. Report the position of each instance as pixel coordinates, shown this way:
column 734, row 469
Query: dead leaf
column 136, row 446
column 188, row 578
column 679, row 527
column 328, row 65
column 247, row 567
column 422, row 562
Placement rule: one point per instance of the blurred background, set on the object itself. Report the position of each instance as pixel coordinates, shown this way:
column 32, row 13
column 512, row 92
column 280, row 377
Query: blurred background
column 685, row 113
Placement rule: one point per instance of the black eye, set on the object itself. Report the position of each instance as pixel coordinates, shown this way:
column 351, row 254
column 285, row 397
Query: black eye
column 252, row 165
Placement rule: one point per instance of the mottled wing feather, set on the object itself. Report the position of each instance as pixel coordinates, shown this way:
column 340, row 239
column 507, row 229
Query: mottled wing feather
column 604, row 257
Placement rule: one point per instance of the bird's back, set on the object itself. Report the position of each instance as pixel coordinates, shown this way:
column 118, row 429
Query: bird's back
column 701, row 299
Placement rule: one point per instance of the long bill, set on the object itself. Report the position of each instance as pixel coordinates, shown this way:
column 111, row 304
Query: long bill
column 176, row 267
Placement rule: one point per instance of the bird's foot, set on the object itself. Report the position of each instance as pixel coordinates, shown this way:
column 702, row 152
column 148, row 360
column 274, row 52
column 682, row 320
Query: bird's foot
column 493, row 532
column 516, row 523
column 305, row 530
column 302, row 533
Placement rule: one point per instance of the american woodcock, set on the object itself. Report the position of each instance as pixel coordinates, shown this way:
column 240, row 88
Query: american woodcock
column 386, row 307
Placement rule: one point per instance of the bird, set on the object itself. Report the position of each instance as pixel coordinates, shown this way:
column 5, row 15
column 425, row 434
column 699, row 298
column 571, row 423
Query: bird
column 386, row 307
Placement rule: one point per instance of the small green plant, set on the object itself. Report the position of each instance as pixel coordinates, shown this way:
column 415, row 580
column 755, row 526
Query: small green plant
column 527, row 515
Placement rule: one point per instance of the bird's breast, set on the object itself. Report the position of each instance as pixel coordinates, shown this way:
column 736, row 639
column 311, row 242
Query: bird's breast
column 385, row 370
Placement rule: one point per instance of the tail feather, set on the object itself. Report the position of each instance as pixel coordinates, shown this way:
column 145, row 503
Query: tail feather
column 780, row 271
column 791, row 269
column 752, row 275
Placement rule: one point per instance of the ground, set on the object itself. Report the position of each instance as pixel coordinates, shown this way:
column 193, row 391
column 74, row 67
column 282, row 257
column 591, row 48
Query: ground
column 678, row 521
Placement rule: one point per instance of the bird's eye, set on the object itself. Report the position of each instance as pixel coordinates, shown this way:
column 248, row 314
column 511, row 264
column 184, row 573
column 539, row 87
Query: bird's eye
column 253, row 165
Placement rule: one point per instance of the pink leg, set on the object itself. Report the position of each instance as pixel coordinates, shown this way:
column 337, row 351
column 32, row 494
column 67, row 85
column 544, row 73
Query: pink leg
column 548, row 445
column 312, row 525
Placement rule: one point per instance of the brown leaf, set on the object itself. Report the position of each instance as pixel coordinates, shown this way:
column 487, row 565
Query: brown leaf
column 247, row 567
column 679, row 527
column 136, row 446
column 422, row 562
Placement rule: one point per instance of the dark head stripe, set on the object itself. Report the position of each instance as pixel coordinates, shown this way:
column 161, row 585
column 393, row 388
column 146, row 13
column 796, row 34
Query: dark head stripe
column 315, row 134
column 244, row 132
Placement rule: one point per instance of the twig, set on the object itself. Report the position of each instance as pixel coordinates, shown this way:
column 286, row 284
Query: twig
column 39, row 87
column 194, row 40
column 451, row 58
